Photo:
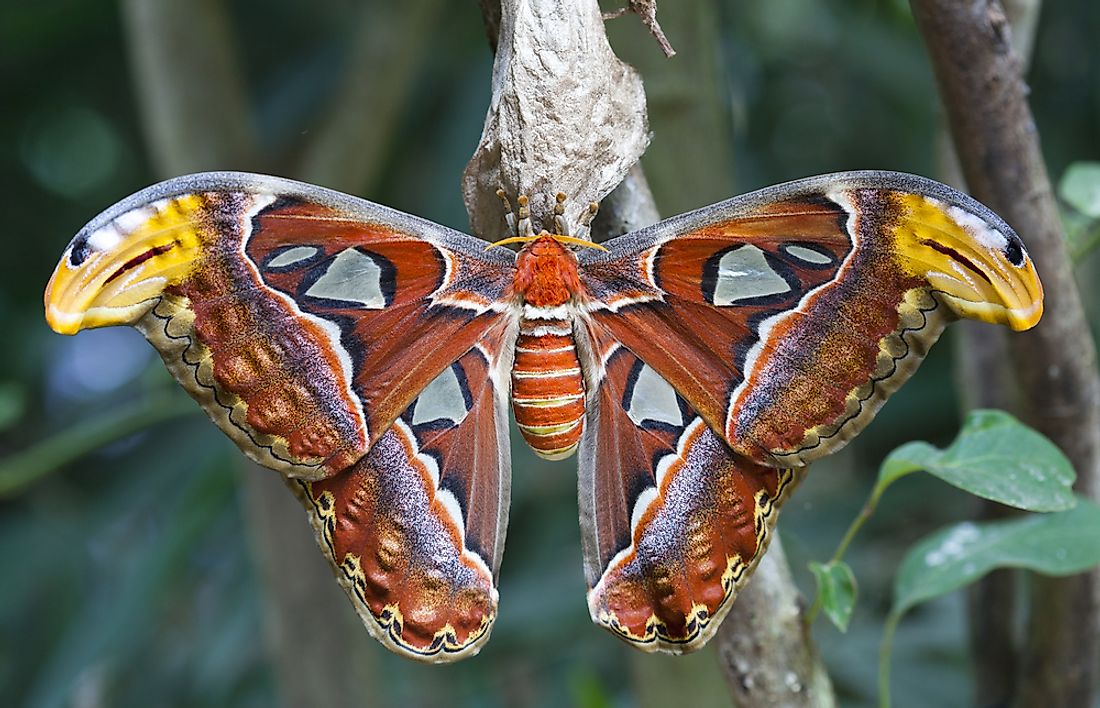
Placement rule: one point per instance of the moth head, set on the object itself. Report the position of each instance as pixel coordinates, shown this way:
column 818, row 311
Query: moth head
column 974, row 262
column 116, row 267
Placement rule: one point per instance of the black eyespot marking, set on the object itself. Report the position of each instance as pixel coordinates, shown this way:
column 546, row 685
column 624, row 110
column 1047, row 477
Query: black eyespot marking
column 1014, row 251
column 80, row 251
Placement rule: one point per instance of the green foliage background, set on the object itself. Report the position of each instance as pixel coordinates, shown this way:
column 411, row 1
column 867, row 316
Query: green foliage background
column 125, row 576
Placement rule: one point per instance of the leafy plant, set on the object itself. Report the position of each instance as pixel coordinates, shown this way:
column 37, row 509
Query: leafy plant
column 994, row 457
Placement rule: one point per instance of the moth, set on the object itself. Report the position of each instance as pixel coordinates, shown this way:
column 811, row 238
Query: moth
column 698, row 366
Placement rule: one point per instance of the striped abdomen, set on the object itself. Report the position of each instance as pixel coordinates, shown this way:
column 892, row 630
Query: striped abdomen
column 547, row 387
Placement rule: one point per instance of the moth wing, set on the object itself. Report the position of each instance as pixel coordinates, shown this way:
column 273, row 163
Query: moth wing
column 672, row 521
column 303, row 320
column 786, row 317
column 415, row 529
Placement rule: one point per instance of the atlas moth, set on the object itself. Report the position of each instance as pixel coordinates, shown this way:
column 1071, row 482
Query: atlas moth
column 697, row 365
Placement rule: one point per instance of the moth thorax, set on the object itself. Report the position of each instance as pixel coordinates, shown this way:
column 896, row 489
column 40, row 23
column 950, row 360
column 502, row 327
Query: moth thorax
column 546, row 273
column 547, row 387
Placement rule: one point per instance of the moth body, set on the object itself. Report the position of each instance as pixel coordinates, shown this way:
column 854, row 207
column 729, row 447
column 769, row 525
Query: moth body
column 547, row 385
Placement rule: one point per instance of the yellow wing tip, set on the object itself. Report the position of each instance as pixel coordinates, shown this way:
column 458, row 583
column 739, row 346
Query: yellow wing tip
column 973, row 261
column 63, row 322
column 124, row 265
column 1021, row 319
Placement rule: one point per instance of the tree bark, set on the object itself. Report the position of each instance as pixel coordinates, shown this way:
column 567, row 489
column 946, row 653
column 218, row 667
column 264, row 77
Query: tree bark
column 985, row 379
column 765, row 649
column 984, row 95
column 183, row 62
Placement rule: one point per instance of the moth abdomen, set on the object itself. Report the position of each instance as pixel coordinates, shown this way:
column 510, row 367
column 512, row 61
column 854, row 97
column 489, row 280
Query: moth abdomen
column 547, row 387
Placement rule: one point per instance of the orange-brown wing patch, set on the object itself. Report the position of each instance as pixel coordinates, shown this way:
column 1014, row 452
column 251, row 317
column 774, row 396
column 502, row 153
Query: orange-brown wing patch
column 415, row 529
column 390, row 298
column 824, row 369
column 713, row 289
column 673, row 521
column 303, row 321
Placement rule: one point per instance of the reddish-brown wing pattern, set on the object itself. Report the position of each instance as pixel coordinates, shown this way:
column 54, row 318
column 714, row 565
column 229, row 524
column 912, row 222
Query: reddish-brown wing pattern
column 367, row 355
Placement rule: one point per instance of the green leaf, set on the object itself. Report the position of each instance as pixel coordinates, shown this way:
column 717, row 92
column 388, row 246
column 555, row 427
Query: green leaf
column 1082, row 234
column 1080, row 188
column 836, row 591
column 994, row 457
column 1061, row 543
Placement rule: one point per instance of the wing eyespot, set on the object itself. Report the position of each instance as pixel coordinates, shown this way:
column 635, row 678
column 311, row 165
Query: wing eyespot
column 292, row 257
column 80, row 251
column 1014, row 250
column 808, row 254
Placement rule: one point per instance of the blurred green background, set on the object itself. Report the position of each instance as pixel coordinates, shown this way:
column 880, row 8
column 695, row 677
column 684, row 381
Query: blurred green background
column 126, row 576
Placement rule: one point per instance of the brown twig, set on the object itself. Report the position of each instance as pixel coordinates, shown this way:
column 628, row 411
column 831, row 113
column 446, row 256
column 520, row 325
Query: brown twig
column 978, row 74
column 646, row 10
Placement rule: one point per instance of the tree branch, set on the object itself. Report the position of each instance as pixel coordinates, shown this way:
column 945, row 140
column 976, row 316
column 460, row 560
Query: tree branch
column 646, row 10
column 764, row 646
column 765, row 651
column 985, row 379
column 994, row 133
column 181, row 54
column 349, row 148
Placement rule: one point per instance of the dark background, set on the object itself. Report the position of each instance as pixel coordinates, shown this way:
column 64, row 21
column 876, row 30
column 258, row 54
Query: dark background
column 126, row 576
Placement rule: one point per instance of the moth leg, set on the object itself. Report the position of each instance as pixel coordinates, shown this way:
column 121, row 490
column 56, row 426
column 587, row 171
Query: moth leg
column 524, row 228
column 584, row 224
column 509, row 216
column 561, row 226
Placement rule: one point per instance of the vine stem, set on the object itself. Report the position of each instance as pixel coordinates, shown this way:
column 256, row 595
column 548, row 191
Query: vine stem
column 857, row 523
column 885, row 651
